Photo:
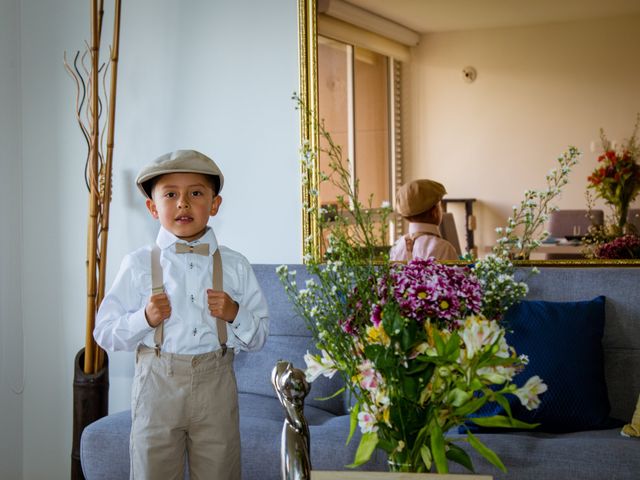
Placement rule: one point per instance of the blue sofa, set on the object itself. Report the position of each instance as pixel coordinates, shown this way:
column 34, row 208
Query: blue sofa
column 593, row 454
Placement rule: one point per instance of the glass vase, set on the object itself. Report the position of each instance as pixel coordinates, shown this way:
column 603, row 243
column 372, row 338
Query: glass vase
column 399, row 465
column 622, row 209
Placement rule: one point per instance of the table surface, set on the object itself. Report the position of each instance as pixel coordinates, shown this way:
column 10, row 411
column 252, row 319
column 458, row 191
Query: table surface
column 348, row 475
column 540, row 253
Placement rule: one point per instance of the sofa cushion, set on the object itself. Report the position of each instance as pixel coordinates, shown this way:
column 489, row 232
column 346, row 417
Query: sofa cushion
column 284, row 319
column 563, row 341
column 597, row 454
column 621, row 341
column 104, row 447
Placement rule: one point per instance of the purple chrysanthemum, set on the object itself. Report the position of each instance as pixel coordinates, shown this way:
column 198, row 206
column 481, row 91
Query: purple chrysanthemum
column 425, row 289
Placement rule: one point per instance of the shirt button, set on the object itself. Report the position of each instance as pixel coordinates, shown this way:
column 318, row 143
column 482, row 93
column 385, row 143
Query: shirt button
column 191, row 265
column 192, row 298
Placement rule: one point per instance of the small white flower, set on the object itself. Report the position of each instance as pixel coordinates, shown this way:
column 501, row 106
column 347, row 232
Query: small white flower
column 529, row 393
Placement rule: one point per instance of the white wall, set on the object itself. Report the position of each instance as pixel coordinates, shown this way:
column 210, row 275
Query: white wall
column 539, row 89
column 10, row 244
column 210, row 75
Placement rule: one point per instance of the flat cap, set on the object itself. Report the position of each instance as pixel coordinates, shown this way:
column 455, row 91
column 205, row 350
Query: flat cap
column 180, row 161
column 418, row 196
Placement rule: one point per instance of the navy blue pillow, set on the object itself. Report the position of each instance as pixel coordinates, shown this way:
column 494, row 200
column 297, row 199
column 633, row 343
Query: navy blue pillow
column 563, row 341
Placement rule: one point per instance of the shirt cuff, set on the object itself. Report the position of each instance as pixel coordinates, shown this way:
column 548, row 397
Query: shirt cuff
column 242, row 323
column 138, row 322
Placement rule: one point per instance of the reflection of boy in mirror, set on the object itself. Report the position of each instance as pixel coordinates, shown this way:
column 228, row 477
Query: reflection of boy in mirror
column 420, row 203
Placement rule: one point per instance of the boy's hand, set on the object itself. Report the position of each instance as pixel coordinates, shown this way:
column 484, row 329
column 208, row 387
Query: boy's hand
column 222, row 305
column 158, row 309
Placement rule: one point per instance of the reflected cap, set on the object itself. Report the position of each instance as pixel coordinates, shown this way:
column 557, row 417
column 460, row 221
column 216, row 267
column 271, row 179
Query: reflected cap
column 418, row 196
column 180, row 161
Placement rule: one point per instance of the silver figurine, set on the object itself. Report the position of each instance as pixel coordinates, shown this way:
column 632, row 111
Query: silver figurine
column 292, row 387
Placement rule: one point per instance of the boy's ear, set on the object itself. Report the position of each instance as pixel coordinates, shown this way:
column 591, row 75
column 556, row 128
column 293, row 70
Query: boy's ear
column 217, row 200
column 151, row 206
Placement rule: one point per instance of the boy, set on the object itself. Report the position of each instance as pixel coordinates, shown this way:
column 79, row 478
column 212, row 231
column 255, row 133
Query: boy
column 420, row 203
column 186, row 329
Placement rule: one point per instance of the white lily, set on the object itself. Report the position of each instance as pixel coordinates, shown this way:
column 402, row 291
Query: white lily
column 479, row 332
column 530, row 391
column 317, row 365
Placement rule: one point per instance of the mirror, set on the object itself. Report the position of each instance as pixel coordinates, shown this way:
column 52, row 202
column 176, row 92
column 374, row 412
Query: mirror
column 539, row 87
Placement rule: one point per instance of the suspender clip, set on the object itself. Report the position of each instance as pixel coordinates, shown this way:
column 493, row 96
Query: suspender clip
column 224, row 349
column 157, row 349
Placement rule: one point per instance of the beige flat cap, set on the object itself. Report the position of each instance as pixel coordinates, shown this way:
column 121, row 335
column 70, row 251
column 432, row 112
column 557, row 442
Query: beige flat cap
column 180, row 161
column 418, row 196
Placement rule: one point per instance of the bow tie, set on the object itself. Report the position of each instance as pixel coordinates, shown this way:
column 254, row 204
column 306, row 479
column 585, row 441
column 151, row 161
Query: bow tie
column 200, row 249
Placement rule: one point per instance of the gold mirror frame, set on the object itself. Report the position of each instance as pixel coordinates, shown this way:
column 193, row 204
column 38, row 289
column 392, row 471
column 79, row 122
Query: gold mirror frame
column 308, row 60
column 309, row 132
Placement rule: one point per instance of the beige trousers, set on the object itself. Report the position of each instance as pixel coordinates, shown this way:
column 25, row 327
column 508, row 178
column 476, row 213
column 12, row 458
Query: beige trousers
column 184, row 406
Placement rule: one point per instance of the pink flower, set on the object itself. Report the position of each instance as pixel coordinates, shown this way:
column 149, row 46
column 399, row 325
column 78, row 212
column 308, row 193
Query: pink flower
column 376, row 315
column 367, row 422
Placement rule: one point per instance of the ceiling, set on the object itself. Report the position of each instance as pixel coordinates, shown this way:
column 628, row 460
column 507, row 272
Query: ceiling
column 425, row 16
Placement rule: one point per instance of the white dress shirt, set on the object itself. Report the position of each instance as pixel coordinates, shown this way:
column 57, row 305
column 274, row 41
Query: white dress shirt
column 121, row 323
column 428, row 243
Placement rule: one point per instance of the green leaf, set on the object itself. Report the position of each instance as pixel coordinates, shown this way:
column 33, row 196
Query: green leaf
column 374, row 352
column 458, row 397
column 501, row 421
column 424, row 432
column 485, row 451
column 504, row 403
column 470, row 406
column 407, row 339
column 440, row 346
column 452, row 350
column 367, row 445
column 425, row 453
column 410, row 388
column 331, row 396
column 419, row 367
column 353, row 421
column 437, row 448
column 458, row 455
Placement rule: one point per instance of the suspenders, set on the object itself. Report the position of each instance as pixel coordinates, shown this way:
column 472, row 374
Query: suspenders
column 158, row 287
column 409, row 240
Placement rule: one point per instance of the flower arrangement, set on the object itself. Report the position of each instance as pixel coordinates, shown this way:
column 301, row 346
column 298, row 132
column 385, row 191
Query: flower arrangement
column 617, row 177
column 622, row 248
column 419, row 345
column 420, row 348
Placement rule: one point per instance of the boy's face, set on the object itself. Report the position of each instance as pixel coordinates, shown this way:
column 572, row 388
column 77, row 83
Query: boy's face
column 183, row 202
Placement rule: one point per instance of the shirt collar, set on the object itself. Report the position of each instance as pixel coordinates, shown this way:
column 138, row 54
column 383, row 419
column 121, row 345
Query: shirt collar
column 430, row 228
column 166, row 239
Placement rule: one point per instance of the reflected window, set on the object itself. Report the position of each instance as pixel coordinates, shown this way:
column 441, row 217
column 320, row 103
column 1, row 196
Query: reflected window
column 357, row 91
